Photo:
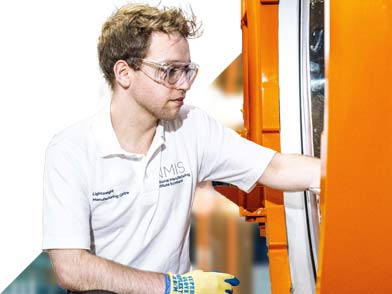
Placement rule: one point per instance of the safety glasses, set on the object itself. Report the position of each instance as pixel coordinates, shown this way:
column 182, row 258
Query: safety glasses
column 169, row 74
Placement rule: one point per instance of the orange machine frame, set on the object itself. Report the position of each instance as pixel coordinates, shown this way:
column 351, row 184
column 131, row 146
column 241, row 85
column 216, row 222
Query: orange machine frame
column 259, row 24
column 355, row 249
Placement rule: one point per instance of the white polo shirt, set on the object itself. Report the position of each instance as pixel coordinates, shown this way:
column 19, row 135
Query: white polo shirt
column 135, row 209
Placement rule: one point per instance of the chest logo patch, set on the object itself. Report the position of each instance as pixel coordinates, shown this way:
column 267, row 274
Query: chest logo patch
column 172, row 174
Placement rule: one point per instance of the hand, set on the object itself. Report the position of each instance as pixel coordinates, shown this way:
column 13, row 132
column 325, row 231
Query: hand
column 199, row 282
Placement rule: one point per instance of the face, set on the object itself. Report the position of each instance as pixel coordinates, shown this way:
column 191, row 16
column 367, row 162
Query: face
column 156, row 99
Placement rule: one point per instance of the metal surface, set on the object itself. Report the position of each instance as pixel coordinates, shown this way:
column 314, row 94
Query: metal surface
column 355, row 246
column 301, row 263
column 261, row 119
column 312, row 105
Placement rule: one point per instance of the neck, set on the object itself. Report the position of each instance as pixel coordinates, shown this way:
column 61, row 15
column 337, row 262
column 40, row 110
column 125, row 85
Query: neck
column 133, row 125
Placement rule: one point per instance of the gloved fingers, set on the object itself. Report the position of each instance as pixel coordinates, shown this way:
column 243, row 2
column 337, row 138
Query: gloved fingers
column 230, row 279
column 233, row 281
column 229, row 291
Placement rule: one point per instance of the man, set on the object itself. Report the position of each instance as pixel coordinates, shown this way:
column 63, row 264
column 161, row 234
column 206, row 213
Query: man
column 119, row 186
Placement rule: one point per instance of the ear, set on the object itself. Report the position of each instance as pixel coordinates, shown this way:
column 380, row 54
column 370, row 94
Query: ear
column 121, row 71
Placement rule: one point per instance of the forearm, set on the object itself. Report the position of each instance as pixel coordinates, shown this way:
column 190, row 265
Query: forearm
column 79, row 270
column 292, row 172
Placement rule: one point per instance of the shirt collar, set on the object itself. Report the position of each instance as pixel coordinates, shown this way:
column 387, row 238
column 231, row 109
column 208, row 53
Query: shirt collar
column 107, row 141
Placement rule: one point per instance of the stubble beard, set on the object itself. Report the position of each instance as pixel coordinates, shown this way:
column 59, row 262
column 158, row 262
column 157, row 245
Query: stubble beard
column 167, row 111
column 167, row 114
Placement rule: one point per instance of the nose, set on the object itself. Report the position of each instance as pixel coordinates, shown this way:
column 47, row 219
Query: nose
column 184, row 85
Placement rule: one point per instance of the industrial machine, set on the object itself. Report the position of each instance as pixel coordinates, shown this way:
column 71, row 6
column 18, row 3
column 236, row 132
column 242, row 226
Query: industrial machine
column 316, row 79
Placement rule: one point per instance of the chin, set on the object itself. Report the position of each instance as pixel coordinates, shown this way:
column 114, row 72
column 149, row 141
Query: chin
column 168, row 115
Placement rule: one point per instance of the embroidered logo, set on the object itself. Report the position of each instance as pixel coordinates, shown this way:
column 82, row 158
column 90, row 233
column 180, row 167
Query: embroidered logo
column 172, row 174
column 107, row 195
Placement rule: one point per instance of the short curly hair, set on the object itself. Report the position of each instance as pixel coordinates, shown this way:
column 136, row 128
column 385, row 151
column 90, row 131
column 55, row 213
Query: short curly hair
column 127, row 33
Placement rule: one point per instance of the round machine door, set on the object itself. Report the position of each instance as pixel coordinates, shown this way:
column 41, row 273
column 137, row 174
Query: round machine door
column 301, row 70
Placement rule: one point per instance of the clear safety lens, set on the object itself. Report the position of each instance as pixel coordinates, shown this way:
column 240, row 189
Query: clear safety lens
column 170, row 74
column 176, row 74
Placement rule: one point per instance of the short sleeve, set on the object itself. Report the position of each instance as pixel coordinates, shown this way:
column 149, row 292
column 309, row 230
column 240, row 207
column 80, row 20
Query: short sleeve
column 66, row 210
column 227, row 157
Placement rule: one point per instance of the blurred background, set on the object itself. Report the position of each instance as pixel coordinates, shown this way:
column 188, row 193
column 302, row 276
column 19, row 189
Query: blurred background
column 220, row 239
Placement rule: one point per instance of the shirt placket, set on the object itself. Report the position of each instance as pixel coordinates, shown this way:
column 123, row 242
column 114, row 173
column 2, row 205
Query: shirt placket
column 150, row 188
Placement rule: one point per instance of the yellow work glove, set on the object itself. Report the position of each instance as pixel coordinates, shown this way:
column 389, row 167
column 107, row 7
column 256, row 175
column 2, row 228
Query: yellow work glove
column 199, row 282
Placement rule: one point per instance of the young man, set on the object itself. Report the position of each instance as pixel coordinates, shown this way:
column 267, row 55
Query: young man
column 119, row 186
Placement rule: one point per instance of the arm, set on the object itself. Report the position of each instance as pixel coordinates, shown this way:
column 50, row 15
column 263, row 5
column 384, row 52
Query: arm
column 292, row 172
column 79, row 270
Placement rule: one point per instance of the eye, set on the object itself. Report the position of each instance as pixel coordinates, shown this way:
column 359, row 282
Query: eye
column 190, row 72
column 173, row 74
